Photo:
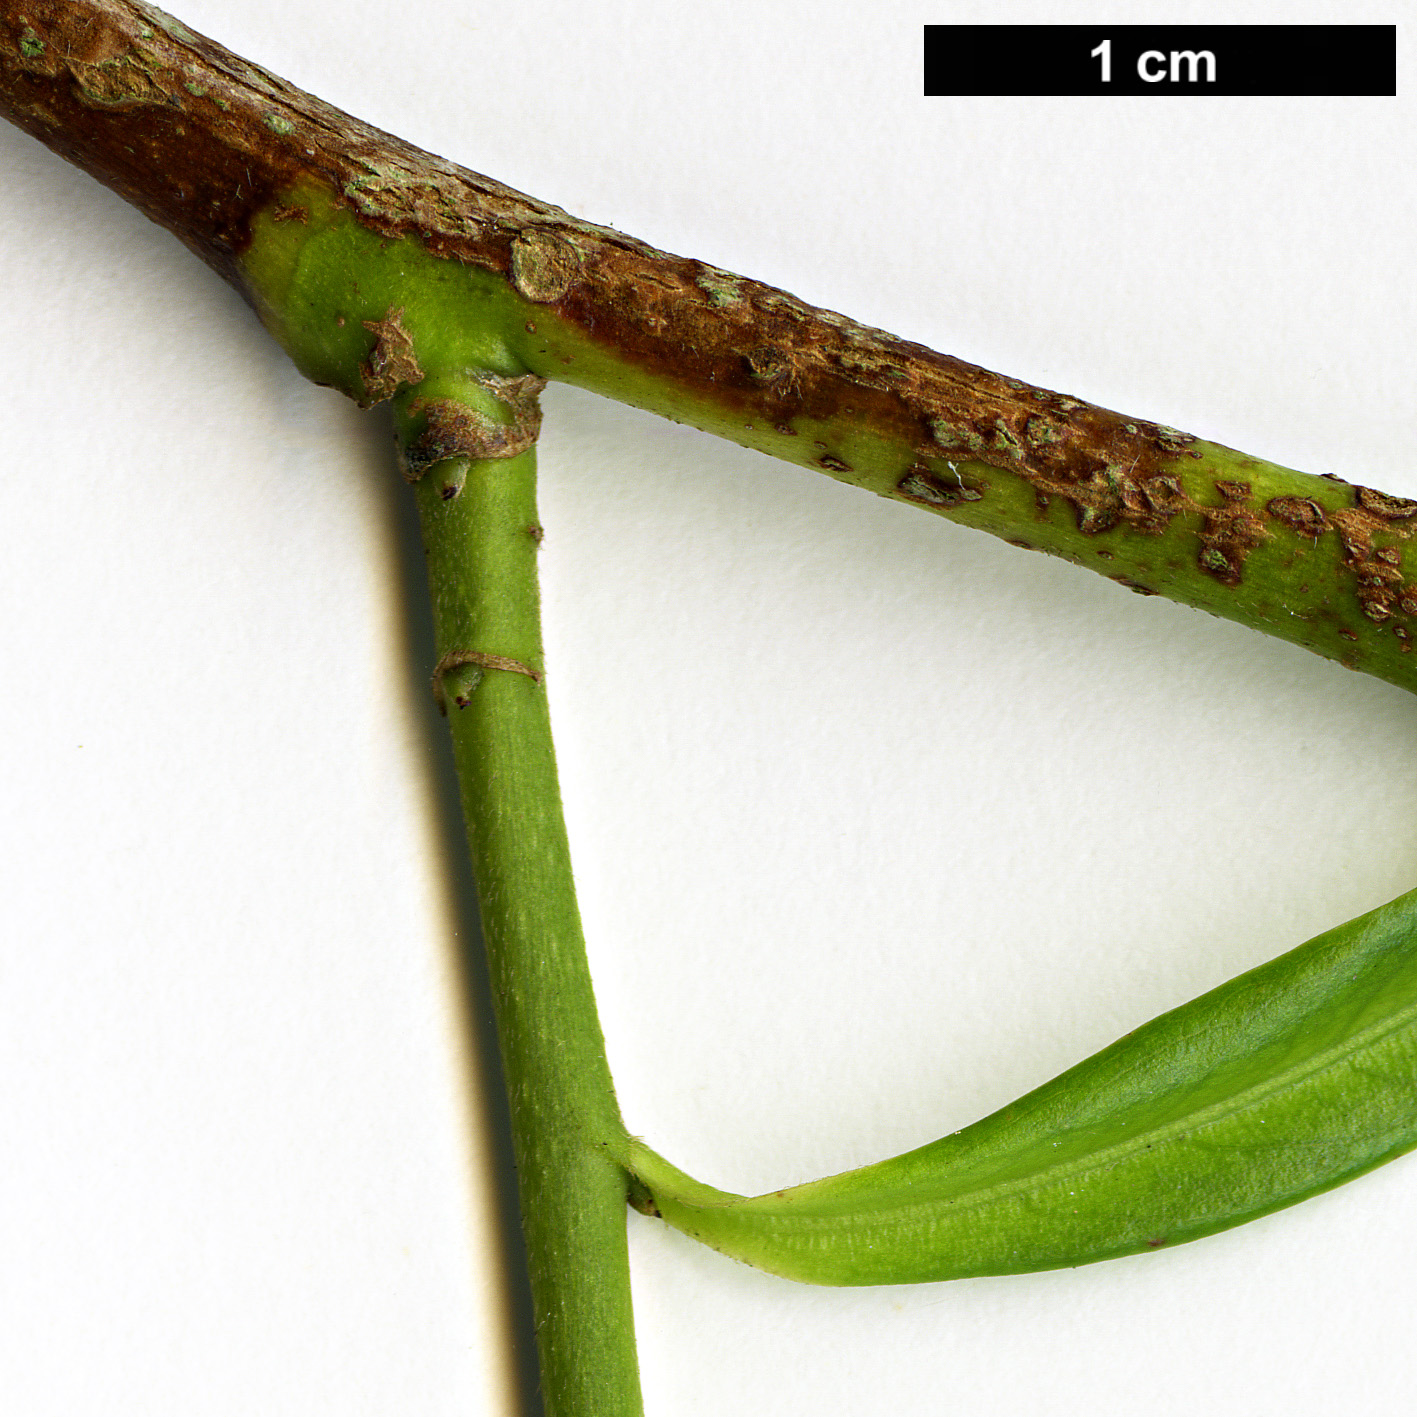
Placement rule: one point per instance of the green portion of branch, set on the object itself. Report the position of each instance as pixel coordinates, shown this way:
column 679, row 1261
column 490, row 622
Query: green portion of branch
column 1308, row 559
column 337, row 231
column 1285, row 1082
column 481, row 534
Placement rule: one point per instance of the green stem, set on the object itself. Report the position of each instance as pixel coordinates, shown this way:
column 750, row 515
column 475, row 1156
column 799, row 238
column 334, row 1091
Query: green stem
column 481, row 534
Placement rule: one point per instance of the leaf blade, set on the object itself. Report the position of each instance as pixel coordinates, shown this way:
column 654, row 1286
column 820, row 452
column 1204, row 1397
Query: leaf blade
column 1282, row 1083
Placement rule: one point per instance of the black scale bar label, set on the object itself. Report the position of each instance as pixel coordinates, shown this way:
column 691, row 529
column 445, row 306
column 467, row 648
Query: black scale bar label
column 1268, row 61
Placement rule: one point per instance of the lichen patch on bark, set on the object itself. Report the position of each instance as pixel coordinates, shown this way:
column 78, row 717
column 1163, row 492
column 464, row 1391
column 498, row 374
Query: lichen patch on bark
column 721, row 287
column 1381, row 589
column 1301, row 514
column 922, row 485
column 543, row 265
column 1229, row 533
column 1113, row 473
column 1383, row 504
column 1366, row 532
column 392, row 362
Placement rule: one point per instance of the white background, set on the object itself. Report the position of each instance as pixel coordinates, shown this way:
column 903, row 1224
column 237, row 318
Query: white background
column 879, row 823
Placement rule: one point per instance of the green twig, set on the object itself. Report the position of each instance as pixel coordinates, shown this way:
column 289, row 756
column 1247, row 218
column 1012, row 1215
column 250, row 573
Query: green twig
column 481, row 534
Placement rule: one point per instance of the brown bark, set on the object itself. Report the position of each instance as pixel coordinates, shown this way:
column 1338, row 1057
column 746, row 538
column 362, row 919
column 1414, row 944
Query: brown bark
column 201, row 141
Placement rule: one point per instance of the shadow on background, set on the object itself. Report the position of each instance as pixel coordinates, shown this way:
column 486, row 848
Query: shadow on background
column 484, row 1088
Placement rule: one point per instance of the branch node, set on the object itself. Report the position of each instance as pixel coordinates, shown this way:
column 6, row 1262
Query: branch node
column 453, row 430
column 458, row 658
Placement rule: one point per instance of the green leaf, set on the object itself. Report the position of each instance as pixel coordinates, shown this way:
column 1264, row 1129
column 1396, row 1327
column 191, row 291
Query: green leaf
column 1286, row 1081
